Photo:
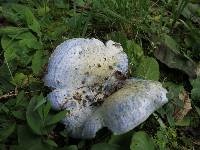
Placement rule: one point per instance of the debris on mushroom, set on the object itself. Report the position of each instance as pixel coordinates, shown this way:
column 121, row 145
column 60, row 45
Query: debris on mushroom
column 89, row 78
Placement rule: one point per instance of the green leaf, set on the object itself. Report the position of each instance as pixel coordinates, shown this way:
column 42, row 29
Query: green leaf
column 195, row 93
column 9, row 48
column 39, row 103
column 37, row 62
column 32, row 22
column 46, row 109
column 148, row 69
column 12, row 30
column 28, row 40
column 168, row 54
column 141, row 141
column 134, row 49
column 20, row 79
column 123, row 140
column 56, row 118
column 171, row 43
column 197, row 110
column 7, row 131
column 51, row 143
column 29, row 141
column 33, row 119
column 105, row 146
column 25, row 137
column 19, row 114
column 21, row 99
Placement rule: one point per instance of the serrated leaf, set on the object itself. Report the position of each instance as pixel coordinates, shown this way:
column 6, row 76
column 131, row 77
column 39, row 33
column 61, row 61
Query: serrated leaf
column 141, row 141
column 37, row 62
column 105, row 146
column 56, row 118
column 148, row 69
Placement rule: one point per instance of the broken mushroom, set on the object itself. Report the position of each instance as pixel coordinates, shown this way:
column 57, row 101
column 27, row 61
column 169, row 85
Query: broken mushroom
column 89, row 78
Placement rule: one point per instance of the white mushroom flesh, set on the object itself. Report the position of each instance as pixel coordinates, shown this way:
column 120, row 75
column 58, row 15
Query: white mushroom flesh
column 88, row 78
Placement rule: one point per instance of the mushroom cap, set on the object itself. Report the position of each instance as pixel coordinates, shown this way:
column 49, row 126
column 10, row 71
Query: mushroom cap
column 82, row 66
column 122, row 111
column 88, row 78
column 83, row 62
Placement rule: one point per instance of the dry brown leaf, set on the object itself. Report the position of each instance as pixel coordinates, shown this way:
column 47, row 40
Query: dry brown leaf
column 180, row 113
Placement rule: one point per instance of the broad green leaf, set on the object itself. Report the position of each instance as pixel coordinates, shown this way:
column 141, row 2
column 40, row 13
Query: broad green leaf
column 123, row 140
column 26, row 137
column 105, row 146
column 141, row 141
column 56, row 118
column 28, row 40
column 170, row 108
column 37, row 62
column 171, row 43
column 7, row 131
column 134, row 49
column 46, row 109
column 29, row 141
column 148, row 69
column 39, row 103
column 33, row 119
column 19, row 114
column 32, row 22
column 195, row 93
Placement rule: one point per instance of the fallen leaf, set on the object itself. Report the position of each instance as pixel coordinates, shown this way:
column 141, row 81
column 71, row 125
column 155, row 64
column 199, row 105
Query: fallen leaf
column 180, row 113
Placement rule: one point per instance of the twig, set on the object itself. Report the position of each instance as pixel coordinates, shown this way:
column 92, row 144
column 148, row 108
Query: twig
column 13, row 94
